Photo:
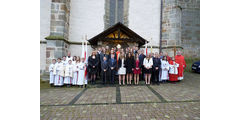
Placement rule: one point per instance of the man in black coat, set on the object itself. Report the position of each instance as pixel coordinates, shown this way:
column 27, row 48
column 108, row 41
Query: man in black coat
column 104, row 67
column 112, row 64
column 156, row 67
column 99, row 65
column 141, row 58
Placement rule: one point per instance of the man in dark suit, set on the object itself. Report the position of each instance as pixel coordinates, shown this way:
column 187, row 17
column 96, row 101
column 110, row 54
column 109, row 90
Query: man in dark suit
column 112, row 63
column 99, row 65
column 104, row 67
column 141, row 58
column 156, row 67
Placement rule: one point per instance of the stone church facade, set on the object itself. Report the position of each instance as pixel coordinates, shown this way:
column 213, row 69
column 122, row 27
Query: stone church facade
column 165, row 24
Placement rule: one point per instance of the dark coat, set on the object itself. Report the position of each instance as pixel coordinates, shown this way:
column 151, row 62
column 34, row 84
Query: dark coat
column 104, row 65
column 129, row 64
column 120, row 63
column 102, row 55
column 156, row 63
column 93, row 62
column 141, row 58
column 112, row 64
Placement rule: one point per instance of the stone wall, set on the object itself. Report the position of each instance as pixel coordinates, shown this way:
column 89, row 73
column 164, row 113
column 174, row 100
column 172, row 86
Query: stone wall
column 171, row 26
column 45, row 13
column 190, row 29
column 181, row 27
column 42, row 57
column 55, row 49
column 60, row 11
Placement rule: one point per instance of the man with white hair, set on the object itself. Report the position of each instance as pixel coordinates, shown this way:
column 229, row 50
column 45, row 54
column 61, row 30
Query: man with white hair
column 182, row 64
column 69, row 57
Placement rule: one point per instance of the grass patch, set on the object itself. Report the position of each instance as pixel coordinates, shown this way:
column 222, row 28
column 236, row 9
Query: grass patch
column 54, row 38
column 44, row 84
column 189, row 62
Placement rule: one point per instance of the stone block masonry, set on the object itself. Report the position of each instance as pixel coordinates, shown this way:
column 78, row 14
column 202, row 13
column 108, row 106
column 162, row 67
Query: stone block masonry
column 181, row 26
column 60, row 11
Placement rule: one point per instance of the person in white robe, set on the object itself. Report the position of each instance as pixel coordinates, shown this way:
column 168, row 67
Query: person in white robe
column 59, row 73
column 51, row 75
column 68, row 73
column 81, row 72
column 65, row 62
column 165, row 68
column 173, row 70
column 75, row 72
column 69, row 57
column 74, row 60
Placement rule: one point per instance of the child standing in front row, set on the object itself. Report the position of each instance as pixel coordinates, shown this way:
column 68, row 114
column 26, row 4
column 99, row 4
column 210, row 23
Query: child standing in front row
column 59, row 73
column 104, row 68
column 52, row 76
column 68, row 74
column 165, row 68
column 81, row 72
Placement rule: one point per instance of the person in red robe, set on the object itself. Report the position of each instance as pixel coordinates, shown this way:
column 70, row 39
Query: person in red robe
column 182, row 65
column 168, row 58
column 173, row 71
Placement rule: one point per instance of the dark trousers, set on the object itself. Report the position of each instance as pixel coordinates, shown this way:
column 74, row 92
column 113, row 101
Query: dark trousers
column 104, row 77
column 141, row 76
column 99, row 71
column 156, row 76
column 112, row 75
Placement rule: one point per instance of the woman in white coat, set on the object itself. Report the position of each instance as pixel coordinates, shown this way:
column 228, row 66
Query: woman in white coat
column 148, row 63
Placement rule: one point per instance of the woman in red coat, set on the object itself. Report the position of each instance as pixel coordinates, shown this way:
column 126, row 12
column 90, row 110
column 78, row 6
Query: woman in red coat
column 137, row 69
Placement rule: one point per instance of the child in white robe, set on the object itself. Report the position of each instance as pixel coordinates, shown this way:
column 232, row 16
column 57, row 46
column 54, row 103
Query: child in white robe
column 173, row 70
column 68, row 74
column 81, row 77
column 75, row 72
column 65, row 62
column 74, row 60
column 165, row 68
column 51, row 75
column 59, row 73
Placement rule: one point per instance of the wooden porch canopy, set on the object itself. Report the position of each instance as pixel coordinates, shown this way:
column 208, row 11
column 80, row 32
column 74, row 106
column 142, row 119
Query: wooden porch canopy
column 118, row 33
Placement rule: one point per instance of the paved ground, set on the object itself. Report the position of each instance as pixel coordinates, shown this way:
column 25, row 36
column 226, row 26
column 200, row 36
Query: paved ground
column 180, row 101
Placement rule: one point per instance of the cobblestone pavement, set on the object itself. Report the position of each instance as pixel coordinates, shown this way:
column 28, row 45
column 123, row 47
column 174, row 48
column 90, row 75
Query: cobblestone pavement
column 180, row 101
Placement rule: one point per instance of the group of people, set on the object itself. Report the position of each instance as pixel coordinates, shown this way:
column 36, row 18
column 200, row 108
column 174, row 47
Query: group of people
column 117, row 64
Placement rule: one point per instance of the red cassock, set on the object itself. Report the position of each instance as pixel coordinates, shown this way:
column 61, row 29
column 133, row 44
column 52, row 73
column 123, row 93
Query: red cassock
column 172, row 77
column 182, row 65
column 168, row 58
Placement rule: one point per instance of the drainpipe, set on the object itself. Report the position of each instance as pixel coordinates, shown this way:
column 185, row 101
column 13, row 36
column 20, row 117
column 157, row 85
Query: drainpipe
column 160, row 43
